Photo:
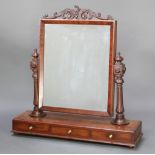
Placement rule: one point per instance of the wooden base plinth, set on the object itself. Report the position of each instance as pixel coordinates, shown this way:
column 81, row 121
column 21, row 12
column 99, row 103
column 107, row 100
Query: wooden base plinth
column 78, row 127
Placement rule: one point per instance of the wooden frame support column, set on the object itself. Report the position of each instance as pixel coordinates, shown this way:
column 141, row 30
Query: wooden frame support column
column 34, row 65
column 119, row 70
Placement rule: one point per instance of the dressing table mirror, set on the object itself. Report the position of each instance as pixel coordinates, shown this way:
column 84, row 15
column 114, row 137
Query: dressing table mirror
column 74, row 75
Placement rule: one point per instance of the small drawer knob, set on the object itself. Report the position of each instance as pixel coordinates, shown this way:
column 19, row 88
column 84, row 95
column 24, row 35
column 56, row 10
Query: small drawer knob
column 110, row 136
column 30, row 127
column 69, row 132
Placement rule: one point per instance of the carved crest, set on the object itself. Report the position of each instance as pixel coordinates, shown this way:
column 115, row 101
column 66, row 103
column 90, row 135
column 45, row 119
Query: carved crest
column 77, row 13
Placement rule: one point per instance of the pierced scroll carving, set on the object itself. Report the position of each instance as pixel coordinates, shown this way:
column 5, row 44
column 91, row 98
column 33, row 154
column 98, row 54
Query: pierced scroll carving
column 77, row 13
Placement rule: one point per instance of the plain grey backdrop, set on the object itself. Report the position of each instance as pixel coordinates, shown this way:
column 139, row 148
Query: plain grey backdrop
column 19, row 35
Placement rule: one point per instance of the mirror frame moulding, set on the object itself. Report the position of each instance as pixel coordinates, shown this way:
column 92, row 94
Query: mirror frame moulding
column 68, row 17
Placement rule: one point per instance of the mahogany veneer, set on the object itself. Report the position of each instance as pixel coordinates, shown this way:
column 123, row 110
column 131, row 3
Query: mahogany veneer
column 78, row 127
column 74, row 123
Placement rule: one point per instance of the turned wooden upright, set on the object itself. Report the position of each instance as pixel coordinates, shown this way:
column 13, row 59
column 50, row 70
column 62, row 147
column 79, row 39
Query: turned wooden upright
column 119, row 70
column 34, row 65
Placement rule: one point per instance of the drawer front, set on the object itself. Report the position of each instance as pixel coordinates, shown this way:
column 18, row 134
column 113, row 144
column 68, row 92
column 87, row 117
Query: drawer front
column 111, row 136
column 31, row 127
column 70, row 132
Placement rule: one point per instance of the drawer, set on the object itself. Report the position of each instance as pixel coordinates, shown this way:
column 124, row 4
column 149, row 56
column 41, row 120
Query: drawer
column 31, row 127
column 111, row 136
column 70, row 132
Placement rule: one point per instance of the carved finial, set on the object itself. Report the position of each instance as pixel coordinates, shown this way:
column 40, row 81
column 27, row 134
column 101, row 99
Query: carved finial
column 119, row 57
column 78, row 13
column 119, row 70
column 77, row 7
column 35, row 53
column 34, row 65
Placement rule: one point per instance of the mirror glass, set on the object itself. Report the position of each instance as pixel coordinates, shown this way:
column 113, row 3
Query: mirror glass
column 76, row 66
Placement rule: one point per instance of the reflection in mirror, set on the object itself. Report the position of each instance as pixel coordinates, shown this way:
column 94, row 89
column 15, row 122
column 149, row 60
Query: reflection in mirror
column 76, row 66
